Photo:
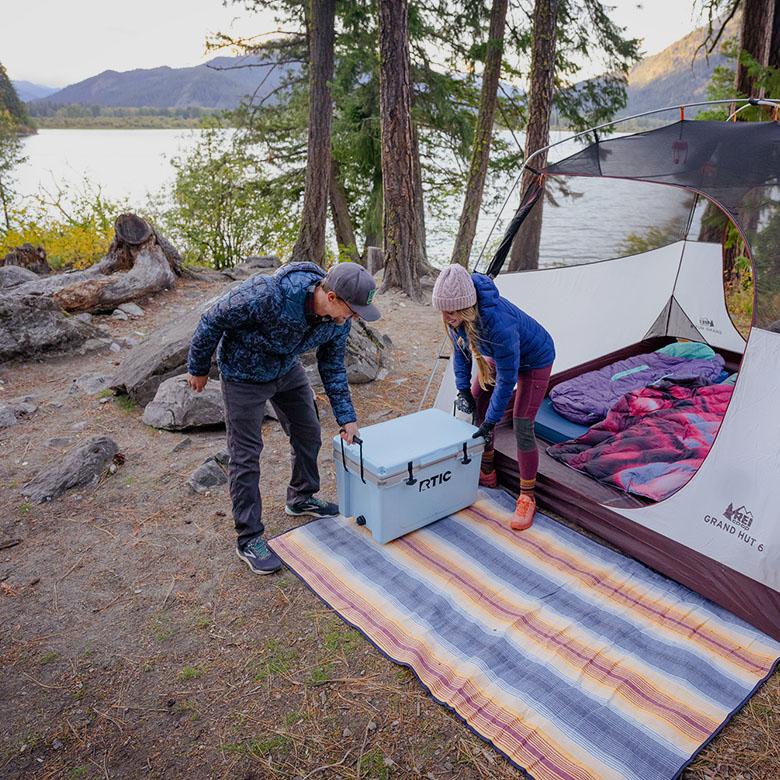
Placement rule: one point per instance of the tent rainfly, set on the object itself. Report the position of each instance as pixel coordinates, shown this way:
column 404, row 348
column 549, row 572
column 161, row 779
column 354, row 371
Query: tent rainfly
column 680, row 193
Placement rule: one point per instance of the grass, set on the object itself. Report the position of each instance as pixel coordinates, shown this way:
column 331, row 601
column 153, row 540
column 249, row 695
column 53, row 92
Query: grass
column 76, row 773
column 276, row 659
column 190, row 673
column 162, row 629
column 105, row 393
column 320, row 674
column 339, row 638
column 292, row 718
column 26, row 508
column 202, row 621
column 49, row 657
column 278, row 743
column 126, row 404
column 372, row 765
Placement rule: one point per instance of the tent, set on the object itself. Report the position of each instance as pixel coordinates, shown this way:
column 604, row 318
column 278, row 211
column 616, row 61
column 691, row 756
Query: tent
column 685, row 190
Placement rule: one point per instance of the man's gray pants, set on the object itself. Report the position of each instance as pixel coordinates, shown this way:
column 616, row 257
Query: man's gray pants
column 292, row 399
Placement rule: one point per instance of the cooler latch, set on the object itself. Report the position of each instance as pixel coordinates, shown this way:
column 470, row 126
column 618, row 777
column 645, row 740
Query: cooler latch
column 466, row 458
column 411, row 480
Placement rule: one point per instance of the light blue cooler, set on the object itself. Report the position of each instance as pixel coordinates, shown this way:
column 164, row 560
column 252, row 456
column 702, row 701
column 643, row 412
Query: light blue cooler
column 408, row 472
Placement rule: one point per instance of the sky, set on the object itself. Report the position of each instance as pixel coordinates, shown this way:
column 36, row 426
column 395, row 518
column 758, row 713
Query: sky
column 60, row 42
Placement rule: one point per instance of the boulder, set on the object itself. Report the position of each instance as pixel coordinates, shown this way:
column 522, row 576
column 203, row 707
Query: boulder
column 251, row 266
column 176, row 407
column 30, row 257
column 7, row 416
column 83, row 465
column 12, row 275
column 365, row 356
column 33, row 325
column 161, row 355
column 91, row 384
column 131, row 309
column 210, row 474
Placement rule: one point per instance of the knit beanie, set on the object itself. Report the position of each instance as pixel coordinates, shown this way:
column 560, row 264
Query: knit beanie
column 454, row 289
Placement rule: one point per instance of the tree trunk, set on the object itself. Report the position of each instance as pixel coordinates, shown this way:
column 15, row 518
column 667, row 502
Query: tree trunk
column 755, row 38
column 774, row 42
column 480, row 153
column 525, row 254
column 311, row 237
column 395, row 99
column 136, row 265
column 374, row 210
column 419, row 202
column 342, row 222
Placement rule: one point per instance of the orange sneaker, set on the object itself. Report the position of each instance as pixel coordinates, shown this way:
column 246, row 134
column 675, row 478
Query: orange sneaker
column 525, row 508
column 488, row 478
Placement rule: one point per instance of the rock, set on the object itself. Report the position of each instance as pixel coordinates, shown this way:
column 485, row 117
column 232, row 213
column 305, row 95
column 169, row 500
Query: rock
column 92, row 344
column 131, row 309
column 7, row 416
column 175, row 407
column 83, row 316
column 32, row 325
column 210, row 474
column 83, row 465
column 91, row 384
column 11, row 275
column 115, row 347
column 118, row 314
column 182, row 445
column 163, row 354
column 58, row 442
column 252, row 266
column 30, row 257
column 16, row 409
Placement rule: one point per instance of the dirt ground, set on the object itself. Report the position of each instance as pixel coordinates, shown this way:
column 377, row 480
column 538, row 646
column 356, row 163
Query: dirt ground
column 133, row 642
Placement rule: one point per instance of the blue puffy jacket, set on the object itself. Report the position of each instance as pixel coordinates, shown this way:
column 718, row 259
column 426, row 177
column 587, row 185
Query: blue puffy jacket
column 261, row 328
column 512, row 338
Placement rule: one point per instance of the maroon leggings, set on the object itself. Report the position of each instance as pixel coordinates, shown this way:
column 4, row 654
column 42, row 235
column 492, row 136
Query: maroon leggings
column 527, row 398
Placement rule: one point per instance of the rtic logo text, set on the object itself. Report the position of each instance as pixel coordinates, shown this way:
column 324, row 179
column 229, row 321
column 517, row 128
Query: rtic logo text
column 739, row 516
column 435, row 481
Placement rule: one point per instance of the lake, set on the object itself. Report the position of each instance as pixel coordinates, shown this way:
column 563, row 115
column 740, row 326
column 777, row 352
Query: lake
column 132, row 165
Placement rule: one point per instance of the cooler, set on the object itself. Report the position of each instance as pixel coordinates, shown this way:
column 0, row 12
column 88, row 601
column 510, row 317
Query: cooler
column 408, row 472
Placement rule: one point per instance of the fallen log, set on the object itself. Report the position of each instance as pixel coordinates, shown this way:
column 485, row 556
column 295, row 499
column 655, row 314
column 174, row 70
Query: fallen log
column 138, row 263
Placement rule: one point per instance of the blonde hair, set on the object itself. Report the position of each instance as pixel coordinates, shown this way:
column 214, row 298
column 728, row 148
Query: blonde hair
column 469, row 318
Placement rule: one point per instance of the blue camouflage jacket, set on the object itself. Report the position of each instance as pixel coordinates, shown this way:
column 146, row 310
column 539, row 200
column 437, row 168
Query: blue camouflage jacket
column 261, row 328
column 512, row 338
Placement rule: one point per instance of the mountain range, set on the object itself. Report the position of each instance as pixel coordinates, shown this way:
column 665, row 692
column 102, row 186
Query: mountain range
column 676, row 75
column 220, row 83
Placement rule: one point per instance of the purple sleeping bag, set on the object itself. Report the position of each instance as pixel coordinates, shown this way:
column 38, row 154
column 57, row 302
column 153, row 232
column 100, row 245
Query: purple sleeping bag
column 587, row 398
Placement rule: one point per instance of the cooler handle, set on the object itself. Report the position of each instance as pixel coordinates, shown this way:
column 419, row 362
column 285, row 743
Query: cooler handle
column 355, row 440
column 466, row 459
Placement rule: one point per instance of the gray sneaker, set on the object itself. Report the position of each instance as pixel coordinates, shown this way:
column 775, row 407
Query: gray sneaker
column 314, row 507
column 259, row 557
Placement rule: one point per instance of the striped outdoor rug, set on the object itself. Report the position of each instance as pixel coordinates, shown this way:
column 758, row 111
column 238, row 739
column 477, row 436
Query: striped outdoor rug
column 571, row 659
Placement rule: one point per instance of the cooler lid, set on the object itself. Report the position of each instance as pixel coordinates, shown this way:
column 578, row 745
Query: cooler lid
column 422, row 438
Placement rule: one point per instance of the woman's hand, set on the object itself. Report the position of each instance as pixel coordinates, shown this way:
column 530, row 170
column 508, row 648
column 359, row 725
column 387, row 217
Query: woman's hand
column 486, row 431
column 465, row 402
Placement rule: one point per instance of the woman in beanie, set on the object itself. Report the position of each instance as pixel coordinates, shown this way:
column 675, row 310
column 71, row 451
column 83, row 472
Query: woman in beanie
column 509, row 347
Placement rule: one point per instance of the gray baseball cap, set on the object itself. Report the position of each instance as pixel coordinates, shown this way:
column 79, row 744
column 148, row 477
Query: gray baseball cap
column 356, row 287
